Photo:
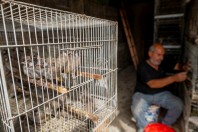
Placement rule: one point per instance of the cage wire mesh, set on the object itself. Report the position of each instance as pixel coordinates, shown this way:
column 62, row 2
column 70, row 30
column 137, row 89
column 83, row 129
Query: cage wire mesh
column 58, row 69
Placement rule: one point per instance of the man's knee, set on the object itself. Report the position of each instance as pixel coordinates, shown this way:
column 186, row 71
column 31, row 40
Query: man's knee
column 139, row 107
column 177, row 103
column 174, row 102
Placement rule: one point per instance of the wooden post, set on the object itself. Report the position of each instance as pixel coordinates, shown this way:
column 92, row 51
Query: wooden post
column 129, row 37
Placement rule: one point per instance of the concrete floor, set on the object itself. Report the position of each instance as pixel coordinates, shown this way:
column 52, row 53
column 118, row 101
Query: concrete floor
column 126, row 84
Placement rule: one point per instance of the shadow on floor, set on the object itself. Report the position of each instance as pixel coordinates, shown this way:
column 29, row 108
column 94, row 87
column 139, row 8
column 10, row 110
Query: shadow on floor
column 126, row 84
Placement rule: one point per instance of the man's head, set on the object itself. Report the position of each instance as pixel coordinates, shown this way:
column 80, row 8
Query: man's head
column 156, row 53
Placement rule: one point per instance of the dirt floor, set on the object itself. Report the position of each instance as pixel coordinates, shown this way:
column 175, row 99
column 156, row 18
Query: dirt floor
column 126, row 84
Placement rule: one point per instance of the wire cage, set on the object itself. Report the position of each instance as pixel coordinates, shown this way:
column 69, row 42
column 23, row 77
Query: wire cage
column 58, row 70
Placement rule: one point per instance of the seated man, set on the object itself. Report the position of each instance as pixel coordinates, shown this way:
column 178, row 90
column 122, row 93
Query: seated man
column 151, row 89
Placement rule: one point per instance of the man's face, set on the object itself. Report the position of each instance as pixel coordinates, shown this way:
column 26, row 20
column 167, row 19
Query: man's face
column 157, row 55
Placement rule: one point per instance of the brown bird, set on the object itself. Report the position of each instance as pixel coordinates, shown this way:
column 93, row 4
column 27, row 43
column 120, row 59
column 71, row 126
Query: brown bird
column 53, row 107
column 20, row 124
column 29, row 68
column 56, row 65
column 38, row 116
column 41, row 68
column 10, row 63
column 72, row 65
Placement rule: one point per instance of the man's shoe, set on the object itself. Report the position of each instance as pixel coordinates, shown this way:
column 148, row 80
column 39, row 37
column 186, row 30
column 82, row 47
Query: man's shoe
column 133, row 119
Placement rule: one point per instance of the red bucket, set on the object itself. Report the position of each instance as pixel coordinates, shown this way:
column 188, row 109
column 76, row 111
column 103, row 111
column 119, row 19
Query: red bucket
column 158, row 127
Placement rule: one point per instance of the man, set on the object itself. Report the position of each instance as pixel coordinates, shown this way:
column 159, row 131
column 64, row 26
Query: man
column 151, row 89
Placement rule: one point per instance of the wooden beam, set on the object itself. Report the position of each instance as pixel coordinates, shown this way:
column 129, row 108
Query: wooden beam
column 129, row 37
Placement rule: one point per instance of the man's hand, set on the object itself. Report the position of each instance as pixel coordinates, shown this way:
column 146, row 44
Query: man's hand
column 184, row 67
column 160, row 83
column 179, row 77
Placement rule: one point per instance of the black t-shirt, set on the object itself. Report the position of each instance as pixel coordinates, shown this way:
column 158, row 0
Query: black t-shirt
column 146, row 73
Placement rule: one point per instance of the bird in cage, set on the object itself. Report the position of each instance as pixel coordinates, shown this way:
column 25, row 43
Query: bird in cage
column 44, row 95
column 73, row 62
column 51, row 69
column 12, row 88
column 38, row 116
column 12, row 85
column 20, row 124
column 41, row 68
column 29, row 68
column 53, row 107
column 72, row 65
column 55, row 66
column 10, row 61
column 64, row 64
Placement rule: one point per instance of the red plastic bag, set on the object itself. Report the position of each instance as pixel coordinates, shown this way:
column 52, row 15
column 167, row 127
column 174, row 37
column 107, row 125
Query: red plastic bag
column 158, row 127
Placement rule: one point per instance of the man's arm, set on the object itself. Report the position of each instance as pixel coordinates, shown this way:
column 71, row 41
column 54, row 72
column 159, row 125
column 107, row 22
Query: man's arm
column 160, row 83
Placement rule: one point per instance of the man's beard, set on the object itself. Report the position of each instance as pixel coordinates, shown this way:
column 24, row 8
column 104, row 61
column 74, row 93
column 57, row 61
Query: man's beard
column 157, row 63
